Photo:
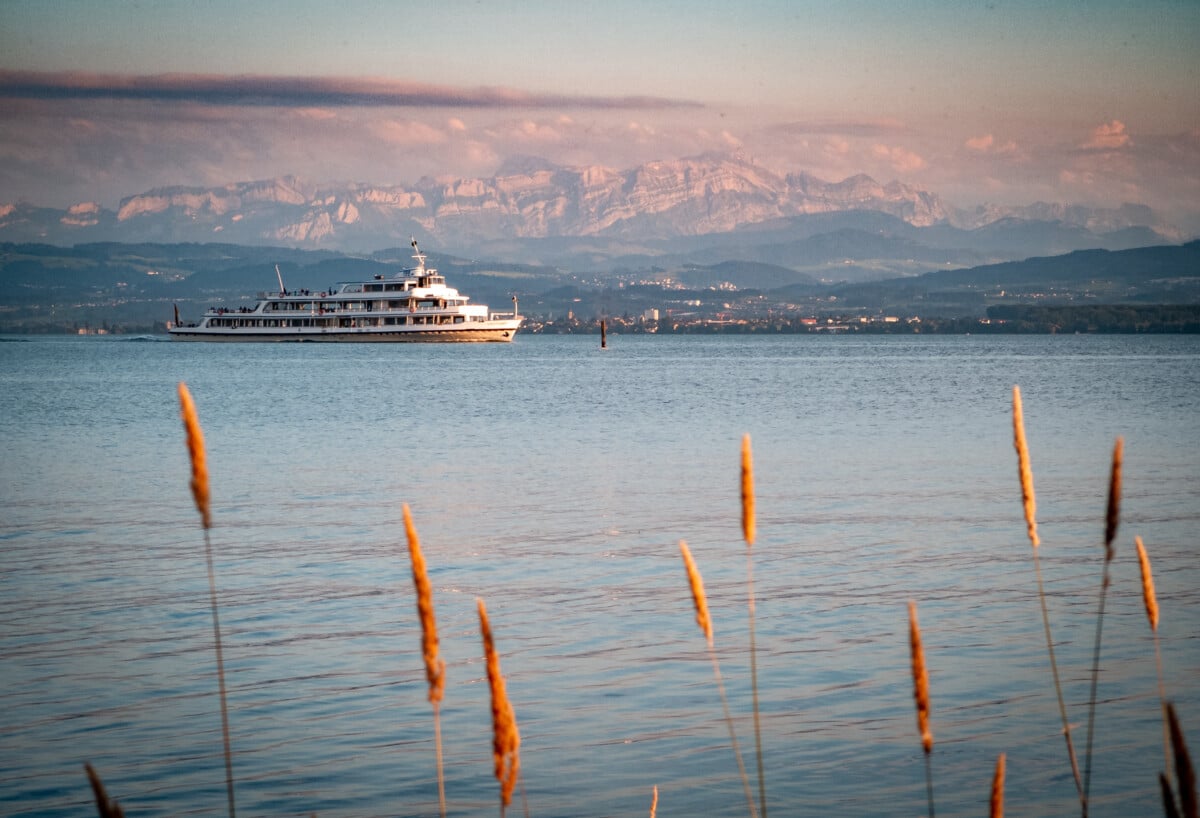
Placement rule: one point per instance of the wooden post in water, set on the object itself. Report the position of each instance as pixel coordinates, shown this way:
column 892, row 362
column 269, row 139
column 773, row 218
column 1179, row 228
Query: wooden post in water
column 603, row 334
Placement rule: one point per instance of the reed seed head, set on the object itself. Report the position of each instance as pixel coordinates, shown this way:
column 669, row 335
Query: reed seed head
column 920, row 679
column 435, row 668
column 997, row 802
column 195, row 444
column 1148, row 597
column 698, row 597
column 1023, row 469
column 747, row 492
column 1112, row 517
column 506, row 740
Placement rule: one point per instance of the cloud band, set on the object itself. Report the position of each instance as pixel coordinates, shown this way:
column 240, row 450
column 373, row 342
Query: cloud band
column 259, row 90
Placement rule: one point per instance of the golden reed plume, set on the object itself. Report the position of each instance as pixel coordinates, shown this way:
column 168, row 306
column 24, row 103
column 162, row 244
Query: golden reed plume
column 747, row 492
column 435, row 668
column 1148, row 597
column 920, row 678
column 997, row 802
column 698, row 597
column 506, row 740
column 654, row 802
column 1024, row 470
column 195, row 444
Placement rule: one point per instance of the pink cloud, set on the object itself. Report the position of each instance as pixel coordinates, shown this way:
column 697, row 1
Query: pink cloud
column 408, row 132
column 1109, row 136
column 901, row 159
column 988, row 144
column 980, row 143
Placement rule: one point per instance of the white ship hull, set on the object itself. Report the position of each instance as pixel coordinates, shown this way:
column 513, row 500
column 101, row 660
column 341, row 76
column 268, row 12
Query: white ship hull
column 494, row 331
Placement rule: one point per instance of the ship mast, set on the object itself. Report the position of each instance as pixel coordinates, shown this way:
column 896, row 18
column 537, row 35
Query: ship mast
column 419, row 256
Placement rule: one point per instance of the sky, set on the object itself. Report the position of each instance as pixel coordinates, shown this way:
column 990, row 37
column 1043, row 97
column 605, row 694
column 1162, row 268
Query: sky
column 980, row 101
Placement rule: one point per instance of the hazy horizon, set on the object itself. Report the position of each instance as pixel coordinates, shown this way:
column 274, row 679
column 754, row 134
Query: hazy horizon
column 998, row 102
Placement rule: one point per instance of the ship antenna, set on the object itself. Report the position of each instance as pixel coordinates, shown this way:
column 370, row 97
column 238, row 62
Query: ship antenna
column 419, row 256
column 279, row 275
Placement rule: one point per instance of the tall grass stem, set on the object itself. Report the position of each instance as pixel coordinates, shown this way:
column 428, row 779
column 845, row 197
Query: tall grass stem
column 227, row 745
column 748, row 534
column 201, row 496
column 1112, row 518
column 1029, row 502
column 700, row 601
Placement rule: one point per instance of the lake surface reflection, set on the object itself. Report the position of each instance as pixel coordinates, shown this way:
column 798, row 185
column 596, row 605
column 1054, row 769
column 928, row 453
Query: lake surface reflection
column 554, row 480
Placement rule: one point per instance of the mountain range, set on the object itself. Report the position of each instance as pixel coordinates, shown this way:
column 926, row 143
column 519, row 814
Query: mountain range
column 699, row 210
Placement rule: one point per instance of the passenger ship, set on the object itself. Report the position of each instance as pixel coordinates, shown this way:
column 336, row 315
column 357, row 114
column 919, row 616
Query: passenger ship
column 413, row 305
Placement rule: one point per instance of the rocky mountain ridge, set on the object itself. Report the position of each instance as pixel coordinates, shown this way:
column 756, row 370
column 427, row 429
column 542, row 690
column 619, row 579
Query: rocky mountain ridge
column 527, row 199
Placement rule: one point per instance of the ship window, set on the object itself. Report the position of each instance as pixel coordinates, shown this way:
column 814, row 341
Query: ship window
column 458, row 319
column 373, row 288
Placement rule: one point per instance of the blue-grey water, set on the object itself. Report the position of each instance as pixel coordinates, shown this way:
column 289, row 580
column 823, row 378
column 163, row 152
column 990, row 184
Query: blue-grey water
column 554, row 480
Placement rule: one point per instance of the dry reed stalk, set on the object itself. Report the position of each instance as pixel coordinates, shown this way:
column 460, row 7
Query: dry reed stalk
column 748, row 536
column 1185, row 774
column 506, row 740
column 200, row 494
column 705, row 622
column 106, row 807
column 1028, row 501
column 195, row 444
column 1112, row 518
column 654, row 802
column 435, row 668
column 920, row 675
column 997, row 800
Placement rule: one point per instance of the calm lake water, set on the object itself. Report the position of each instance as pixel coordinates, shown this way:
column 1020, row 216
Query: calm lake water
column 554, row 480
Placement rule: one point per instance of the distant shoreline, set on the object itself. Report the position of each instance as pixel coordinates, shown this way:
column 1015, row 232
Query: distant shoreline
column 1090, row 320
